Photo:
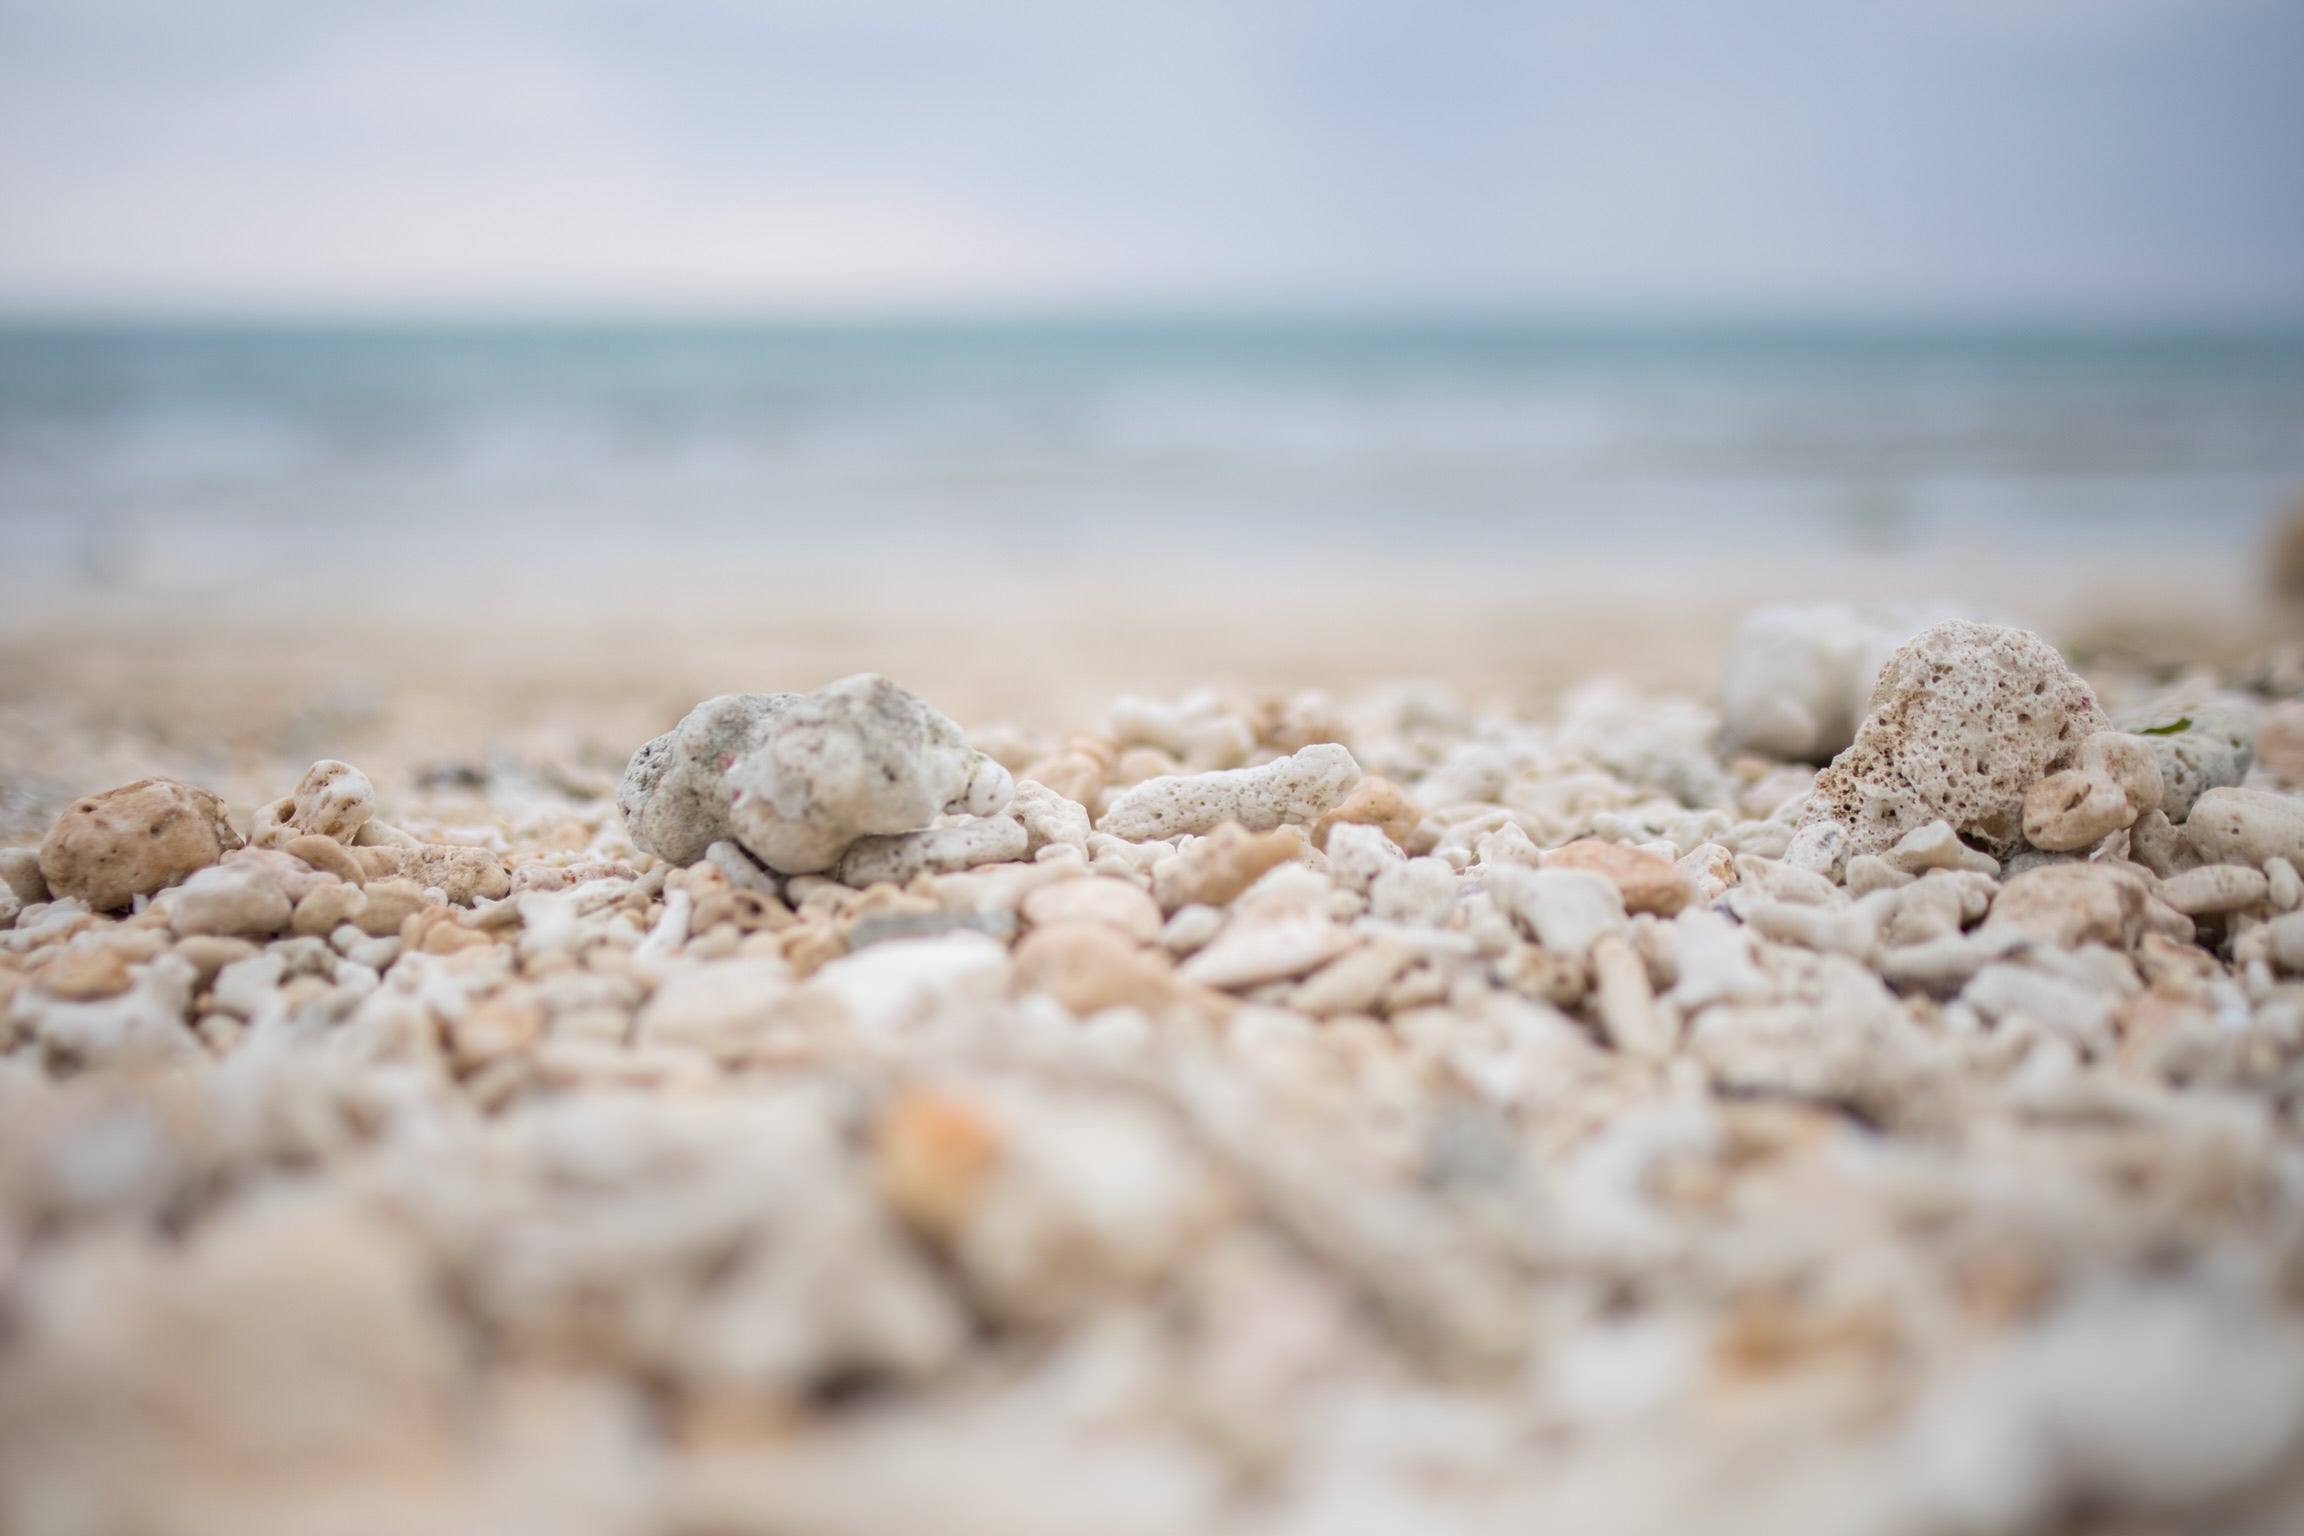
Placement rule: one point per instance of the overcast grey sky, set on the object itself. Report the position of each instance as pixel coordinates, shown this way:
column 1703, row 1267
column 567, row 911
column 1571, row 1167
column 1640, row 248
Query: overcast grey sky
column 1967, row 157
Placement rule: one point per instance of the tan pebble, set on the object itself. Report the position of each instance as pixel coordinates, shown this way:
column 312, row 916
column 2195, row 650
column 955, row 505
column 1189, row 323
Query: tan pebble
column 1115, row 903
column 240, row 900
column 220, row 1032
column 79, row 975
column 932, row 1151
column 1624, row 1001
column 1376, row 802
column 1646, row 881
column 1419, row 986
column 381, row 862
column 386, row 906
column 327, row 855
column 327, row 909
column 1077, row 776
column 809, row 946
column 2159, row 845
column 495, row 1027
column 435, row 931
column 721, row 1009
column 20, row 873
column 1536, row 972
column 2072, row 904
column 746, row 911
column 1250, row 954
column 2113, row 780
column 210, row 953
column 295, row 877
column 1869, row 872
column 110, row 848
column 1353, row 983
column 463, row 875
column 1214, row 870
column 1091, row 966
column 333, row 800
column 1137, row 764
column 1936, row 846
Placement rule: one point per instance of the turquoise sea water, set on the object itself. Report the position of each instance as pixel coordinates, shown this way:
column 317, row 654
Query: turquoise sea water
column 181, row 457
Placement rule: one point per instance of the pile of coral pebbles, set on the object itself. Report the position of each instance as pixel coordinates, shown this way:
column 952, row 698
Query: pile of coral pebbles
column 1239, row 1116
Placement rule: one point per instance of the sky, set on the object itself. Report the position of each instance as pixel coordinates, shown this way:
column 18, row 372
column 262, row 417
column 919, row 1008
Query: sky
column 1984, row 158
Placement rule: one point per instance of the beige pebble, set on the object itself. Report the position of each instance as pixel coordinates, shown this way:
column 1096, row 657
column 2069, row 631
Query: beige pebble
column 1049, row 818
column 1091, row 965
column 1564, row 909
column 1250, row 954
column 80, row 975
column 210, row 953
column 2215, row 888
column 1420, row 891
column 1624, row 1001
column 1114, row 903
column 1300, row 788
column 1352, row 983
column 1375, row 802
column 1188, row 928
column 386, row 905
column 461, row 875
column 2283, row 885
column 110, row 848
column 2113, row 780
column 332, row 800
column 234, row 900
column 2072, row 904
column 328, row 908
column 2246, row 826
column 1214, row 870
column 1645, row 881
column 1937, row 846
column 20, row 873
column 328, row 855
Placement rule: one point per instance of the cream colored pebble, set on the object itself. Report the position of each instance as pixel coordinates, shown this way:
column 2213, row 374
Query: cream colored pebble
column 1114, row 903
column 1358, row 854
column 1565, row 909
column 1048, row 817
column 1622, row 998
column 1937, row 846
column 1299, row 788
column 2283, row 886
column 2246, row 826
column 2216, row 888
column 965, row 844
column 2113, row 780
column 1419, row 891
column 1188, row 928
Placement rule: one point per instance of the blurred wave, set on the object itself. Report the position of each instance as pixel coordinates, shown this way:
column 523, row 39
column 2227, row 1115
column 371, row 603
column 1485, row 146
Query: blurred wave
column 179, row 458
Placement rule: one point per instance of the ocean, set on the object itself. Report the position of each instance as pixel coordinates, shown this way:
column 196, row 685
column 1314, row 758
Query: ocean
column 188, row 459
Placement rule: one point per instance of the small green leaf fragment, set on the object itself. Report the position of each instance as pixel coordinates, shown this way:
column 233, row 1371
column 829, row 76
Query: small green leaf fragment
column 2177, row 729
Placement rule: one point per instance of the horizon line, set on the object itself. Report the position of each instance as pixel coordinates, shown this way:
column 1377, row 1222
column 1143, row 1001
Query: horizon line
column 1998, row 321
